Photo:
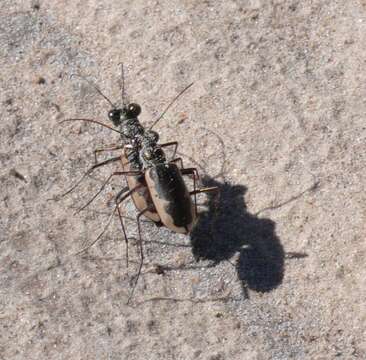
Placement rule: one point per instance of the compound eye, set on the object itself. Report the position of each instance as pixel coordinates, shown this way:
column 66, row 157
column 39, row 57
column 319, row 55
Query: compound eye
column 134, row 110
column 115, row 115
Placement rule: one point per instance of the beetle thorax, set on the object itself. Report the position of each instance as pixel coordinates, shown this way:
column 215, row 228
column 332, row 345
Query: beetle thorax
column 151, row 155
column 131, row 128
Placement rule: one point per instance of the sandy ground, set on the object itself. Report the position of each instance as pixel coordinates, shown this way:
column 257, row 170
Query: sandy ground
column 275, row 119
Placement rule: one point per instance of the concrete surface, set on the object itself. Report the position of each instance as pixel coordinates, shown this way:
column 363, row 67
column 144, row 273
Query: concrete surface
column 276, row 119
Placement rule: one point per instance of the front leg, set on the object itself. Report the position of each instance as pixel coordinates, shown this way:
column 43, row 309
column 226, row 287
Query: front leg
column 117, row 173
column 119, row 201
column 172, row 143
column 103, row 148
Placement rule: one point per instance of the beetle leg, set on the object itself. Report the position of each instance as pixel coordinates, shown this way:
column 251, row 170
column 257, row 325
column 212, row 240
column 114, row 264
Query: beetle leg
column 110, row 147
column 204, row 190
column 194, row 172
column 118, row 203
column 190, row 171
column 121, row 192
column 172, row 143
column 104, row 185
column 88, row 172
column 141, row 251
column 178, row 160
column 99, row 236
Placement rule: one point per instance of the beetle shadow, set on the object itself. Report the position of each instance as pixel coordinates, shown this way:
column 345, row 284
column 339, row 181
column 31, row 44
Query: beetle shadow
column 227, row 228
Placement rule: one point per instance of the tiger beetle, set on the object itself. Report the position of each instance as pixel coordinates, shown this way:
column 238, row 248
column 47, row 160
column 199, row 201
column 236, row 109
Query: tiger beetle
column 171, row 200
column 155, row 185
column 159, row 190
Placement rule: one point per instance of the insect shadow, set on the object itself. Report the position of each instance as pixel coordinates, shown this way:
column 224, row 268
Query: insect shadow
column 227, row 228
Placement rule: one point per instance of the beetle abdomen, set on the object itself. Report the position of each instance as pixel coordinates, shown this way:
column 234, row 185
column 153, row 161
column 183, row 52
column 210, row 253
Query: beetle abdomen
column 171, row 197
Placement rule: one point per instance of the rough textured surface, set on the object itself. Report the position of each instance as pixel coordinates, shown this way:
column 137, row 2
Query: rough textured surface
column 276, row 119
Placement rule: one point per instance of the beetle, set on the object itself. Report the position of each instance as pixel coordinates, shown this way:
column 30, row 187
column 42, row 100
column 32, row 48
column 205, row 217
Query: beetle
column 155, row 185
column 158, row 191
column 167, row 189
column 132, row 135
column 169, row 197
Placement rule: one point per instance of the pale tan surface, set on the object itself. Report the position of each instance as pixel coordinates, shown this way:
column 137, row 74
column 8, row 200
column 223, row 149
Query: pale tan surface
column 282, row 83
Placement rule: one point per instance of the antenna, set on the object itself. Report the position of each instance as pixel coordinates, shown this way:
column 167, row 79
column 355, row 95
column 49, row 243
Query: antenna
column 123, row 95
column 94, row 86
column 170, row 104
column 92, row 121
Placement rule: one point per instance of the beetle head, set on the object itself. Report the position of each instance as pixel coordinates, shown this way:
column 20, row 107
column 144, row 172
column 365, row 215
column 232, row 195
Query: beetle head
column 130, row 111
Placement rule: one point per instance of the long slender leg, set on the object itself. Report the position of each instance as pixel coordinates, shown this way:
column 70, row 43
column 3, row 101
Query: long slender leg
column 117, row 201
column 124, row 234
column 110, row 147
column 132, row 172
column 186, row 171
column 88, row 172
column 124, row 197
column 194, row 172
column 195, row 196
column 190, row 171
column 141, row 252
column 120, row 193
column 122, row 86
column 176, row 160
column 172, row 143
column 204, row 190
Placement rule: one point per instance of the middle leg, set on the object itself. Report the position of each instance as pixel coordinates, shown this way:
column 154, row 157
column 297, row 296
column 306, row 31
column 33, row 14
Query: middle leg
column 141, row 252
column 118, row 203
